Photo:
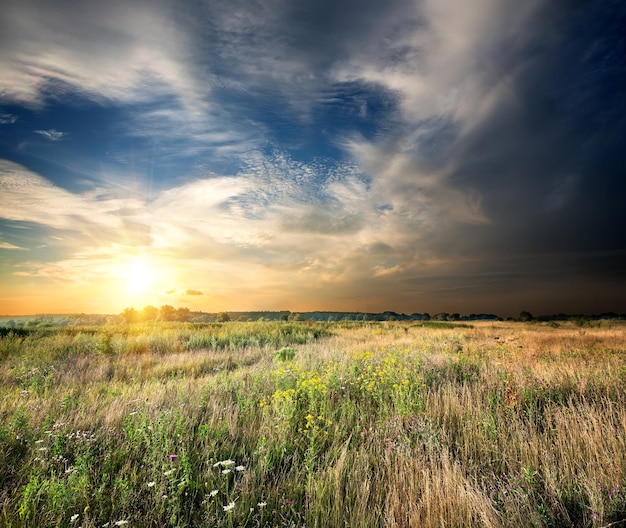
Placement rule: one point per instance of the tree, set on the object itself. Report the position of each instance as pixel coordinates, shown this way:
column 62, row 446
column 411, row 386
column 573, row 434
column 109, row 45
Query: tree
column 167, row 313
column 149, row 313
column 183, row 315
column 223, row 317
column 130, row 315
column 525, row 317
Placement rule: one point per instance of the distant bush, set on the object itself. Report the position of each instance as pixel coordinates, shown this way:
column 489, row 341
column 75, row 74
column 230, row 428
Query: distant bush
column 285, row 354
column 22, row 332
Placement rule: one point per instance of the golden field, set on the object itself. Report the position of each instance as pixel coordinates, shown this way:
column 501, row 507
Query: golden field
column 488, row 424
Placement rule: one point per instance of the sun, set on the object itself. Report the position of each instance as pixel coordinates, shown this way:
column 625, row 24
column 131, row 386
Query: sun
column 140, row 276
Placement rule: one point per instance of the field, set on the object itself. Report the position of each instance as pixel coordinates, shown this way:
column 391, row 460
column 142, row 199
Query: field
column 301, row 424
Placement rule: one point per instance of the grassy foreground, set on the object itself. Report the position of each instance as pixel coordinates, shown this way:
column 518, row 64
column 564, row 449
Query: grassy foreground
column 296, row 424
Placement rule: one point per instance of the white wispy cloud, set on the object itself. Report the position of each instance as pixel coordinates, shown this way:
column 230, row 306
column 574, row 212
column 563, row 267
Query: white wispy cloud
column 51, row 134
column 124, row 52
column 447, row 57
column 28, row 197
column 180, row 133
column 7, row 245
column 7, row 119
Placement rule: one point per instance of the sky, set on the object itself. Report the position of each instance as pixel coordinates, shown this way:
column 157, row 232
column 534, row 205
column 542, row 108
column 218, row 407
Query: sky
column 347, row 155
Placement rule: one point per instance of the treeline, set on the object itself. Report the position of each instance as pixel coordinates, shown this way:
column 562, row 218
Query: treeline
column 48, row 321
column 152, row 313
column 389, row 316
column 581, row 319
column 170, row 313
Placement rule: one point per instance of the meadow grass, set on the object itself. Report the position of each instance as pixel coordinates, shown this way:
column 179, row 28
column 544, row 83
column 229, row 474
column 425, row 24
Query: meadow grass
column 301, row 424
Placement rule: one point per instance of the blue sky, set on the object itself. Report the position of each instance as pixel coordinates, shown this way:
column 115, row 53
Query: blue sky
column 422, row 155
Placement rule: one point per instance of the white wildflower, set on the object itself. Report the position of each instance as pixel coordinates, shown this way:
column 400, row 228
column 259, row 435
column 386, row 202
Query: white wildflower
column 262, row 504
column 240, row 468
column 214, row 493
column 150, row 484
column 74, row 517
column 224, row 463
column 229, row 506
column 225, row 471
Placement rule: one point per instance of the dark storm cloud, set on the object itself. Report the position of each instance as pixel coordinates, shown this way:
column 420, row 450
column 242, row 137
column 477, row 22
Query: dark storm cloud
column 249, row 39
column 326, row 32
column 548, row 160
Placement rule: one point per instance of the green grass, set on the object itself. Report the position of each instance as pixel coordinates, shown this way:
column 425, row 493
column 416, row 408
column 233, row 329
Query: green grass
column 300, row 424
